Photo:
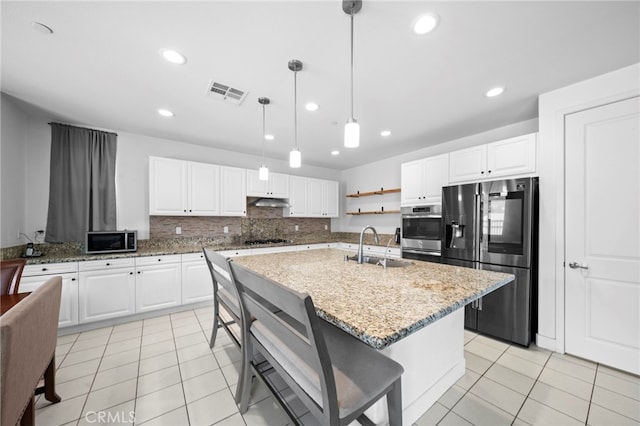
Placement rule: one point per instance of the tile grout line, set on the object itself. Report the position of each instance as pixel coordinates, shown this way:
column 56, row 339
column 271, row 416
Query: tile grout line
column 528, row 395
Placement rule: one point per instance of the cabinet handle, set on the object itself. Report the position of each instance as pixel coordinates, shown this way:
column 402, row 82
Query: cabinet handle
column 482, row 172
column 190, row 210
column 139, row 272
column 44, row 269
column 489, row 171
column 130, row 273
column 159, row 260
column 185, row 211
column 73, row 279
column 108, row 264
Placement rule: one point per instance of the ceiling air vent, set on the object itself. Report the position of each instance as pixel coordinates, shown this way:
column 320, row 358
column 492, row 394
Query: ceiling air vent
column 225, row 93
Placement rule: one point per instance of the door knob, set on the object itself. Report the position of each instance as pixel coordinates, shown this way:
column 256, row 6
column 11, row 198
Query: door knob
column 576, row 265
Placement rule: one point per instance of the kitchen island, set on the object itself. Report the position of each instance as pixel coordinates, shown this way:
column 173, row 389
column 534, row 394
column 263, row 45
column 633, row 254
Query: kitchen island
column 412, row 314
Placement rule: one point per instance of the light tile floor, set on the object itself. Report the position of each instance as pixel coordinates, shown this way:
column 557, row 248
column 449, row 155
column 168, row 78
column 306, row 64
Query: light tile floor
column 160, row 371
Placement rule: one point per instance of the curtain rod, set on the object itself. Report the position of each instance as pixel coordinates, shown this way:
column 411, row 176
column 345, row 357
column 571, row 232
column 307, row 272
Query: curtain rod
column 85, row 128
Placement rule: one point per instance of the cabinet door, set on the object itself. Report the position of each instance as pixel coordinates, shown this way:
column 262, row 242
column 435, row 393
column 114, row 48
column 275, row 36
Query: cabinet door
column 255, row 186
column 167, row 187
column 436, row 175
column 106, row 294
column 158, row 287
column 197, row 284
column 204, row 184
column 297, row 197
column 233, row 191
column 315, row 197
column 412, row 183
column 468, row 164
column 331, row 198
column 278, row 185
column 69, row 300
column 514, row 156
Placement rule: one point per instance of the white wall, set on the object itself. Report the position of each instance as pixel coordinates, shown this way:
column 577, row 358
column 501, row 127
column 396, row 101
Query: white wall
column 386, row 174
column 12, row 164
column 132, row 172
column 554, row 106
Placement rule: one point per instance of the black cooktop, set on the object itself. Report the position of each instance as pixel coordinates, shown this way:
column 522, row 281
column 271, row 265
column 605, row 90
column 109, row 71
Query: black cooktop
column 266, row 241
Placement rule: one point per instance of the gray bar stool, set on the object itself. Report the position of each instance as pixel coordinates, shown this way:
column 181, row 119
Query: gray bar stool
column 336, row 376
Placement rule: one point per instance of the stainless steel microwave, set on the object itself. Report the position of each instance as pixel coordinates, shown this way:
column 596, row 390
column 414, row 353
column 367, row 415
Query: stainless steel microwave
column 111, row 242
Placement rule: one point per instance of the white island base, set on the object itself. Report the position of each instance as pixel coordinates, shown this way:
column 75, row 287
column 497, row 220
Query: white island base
column 433, row 360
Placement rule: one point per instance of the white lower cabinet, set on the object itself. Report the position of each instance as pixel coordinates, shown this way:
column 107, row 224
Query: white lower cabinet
column 197, row 284
column 158, row 282
column 106, row 290
column 36, row 275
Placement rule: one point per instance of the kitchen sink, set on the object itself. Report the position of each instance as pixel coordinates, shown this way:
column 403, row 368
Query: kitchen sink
column 374, row 260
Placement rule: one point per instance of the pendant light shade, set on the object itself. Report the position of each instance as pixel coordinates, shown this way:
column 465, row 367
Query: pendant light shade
column 352, row 128
column 263, row 171
column 295, row 156
column 351, row 134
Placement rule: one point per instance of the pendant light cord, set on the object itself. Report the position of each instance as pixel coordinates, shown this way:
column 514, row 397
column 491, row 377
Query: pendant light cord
column 263, row 133
column 351, row 63
column 295, row 108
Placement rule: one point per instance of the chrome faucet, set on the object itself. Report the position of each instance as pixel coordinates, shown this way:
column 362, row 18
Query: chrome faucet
column 375, row 239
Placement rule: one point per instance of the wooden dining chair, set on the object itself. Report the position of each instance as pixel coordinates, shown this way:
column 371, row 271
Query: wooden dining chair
column 10, row 273
column 336, row 376
column 28, row 337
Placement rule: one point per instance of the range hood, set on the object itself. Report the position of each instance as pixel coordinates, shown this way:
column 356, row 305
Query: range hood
column 271, row 202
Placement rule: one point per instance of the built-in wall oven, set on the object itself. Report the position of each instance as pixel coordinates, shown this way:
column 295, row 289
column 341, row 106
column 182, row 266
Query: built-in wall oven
column 421, row 232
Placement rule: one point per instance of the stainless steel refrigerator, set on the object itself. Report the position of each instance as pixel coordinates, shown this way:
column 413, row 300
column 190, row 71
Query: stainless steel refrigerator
column 493, row 226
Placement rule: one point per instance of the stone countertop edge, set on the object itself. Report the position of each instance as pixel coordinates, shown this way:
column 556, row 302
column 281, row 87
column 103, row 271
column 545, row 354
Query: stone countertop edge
column 81, row 257
column 380, row 344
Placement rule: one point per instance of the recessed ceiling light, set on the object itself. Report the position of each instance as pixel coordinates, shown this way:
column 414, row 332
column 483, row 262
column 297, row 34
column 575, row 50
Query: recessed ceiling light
column 165, row 112
column 269, row 137
column 385, row 133
column 336, row 152
column 494, row 92
column 311, row 106
column 426, row 23
column 173, row 56
column 41, row 28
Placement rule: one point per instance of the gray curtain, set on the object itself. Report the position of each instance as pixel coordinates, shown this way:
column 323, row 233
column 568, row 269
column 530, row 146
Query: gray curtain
column 82, row 188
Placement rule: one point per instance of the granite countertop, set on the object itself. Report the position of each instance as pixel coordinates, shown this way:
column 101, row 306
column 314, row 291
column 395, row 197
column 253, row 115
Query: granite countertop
column 73, row 252
column 378, row 306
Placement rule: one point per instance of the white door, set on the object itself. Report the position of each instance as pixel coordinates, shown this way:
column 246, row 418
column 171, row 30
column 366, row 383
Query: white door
column 158, row 287
column 331, row 198
column 602, row 272
column 297, row 196
column 167, row 187
column 412, row 183
column 436, row 175
column 315, row 198
column 233, row 191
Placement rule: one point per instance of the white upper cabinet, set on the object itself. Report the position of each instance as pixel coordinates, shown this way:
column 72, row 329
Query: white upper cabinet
column 233, row 191
column 277, row 186
column 422, row 180
column 297, row 197
column 167, row 187
column 512, row 156
column 310, row 197
column 315, row 201
column 203, row 184
column 183, row 188
column 468, row 164
column 508, row 157
column 322, row 198
column 331, row 195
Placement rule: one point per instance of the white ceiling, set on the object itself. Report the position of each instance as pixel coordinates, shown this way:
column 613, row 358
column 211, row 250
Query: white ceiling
column 102, row 68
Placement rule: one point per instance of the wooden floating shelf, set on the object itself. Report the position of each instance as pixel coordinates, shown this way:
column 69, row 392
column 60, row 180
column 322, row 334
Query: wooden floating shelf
column 374, row 212
column 381, row 191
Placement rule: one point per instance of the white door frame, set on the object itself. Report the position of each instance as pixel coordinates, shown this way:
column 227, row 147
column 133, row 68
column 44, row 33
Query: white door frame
column 553, row 107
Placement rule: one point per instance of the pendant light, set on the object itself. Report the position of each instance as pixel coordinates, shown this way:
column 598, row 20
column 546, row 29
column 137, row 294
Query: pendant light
column 352, row 128
column 263, row 171
column 295, row 157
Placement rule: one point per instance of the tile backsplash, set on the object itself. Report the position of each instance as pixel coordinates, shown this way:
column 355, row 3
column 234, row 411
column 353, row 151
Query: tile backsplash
column 260, row 223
